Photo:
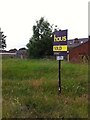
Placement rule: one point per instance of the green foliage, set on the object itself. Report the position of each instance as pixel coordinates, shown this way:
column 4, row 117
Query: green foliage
column 40, row 44
column 30, row 89
column 2, row 40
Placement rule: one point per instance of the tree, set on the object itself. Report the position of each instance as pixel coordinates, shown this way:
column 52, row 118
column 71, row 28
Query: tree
column 40, row 44
column 2, row 40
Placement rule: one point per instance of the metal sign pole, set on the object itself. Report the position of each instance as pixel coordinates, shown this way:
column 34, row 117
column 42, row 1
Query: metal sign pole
column 59, row 76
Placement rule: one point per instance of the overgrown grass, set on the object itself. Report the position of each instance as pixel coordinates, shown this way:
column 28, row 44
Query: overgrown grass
column 30, row 89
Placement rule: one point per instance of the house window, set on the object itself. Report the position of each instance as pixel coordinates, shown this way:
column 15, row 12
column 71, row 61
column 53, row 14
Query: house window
column 83, row 58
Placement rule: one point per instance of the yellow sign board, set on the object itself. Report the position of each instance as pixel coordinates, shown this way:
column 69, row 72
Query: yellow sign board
column 60, row 48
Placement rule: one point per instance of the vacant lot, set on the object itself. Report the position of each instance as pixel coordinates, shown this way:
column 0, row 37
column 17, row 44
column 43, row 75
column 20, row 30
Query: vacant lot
column 30, row 89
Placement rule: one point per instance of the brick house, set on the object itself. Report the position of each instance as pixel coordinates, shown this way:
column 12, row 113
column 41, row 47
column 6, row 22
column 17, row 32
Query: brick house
column 78, row 50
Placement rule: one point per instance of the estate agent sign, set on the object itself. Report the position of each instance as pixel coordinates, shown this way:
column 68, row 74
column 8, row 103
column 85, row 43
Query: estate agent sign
column 60, row 43
column 60, row 49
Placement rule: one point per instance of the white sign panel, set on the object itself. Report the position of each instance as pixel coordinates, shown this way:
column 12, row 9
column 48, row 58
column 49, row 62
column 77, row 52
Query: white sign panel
column 60, row 57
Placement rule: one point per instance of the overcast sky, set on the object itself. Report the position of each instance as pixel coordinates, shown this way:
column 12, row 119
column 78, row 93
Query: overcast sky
column 18, row 16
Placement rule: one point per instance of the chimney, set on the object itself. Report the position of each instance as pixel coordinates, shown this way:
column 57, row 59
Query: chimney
column 89, row 37
column 76, row 40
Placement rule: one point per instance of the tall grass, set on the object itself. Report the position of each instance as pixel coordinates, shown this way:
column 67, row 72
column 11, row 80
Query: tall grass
column 30, row 89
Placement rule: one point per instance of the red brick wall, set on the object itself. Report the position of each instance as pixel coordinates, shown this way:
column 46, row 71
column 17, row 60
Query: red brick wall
column 75, row 54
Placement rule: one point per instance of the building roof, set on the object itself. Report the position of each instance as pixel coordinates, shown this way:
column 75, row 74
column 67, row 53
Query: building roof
column 71, row 43
column 6, row 53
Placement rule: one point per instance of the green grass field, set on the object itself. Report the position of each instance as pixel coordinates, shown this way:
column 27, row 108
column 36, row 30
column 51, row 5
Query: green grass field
column 30, row 89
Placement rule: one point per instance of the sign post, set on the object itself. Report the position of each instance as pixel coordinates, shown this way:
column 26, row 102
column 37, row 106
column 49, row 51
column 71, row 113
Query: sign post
column 60, row 50
column 59, row 76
